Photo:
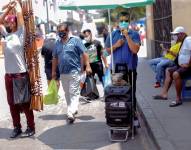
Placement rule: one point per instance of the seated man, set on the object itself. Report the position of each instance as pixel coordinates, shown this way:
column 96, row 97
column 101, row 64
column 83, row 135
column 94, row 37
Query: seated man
column 178, row 72
column 160, row 64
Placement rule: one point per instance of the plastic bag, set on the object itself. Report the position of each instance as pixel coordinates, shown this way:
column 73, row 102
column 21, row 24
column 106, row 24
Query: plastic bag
column 107, row 78
column 89, row 89
column 51, row 96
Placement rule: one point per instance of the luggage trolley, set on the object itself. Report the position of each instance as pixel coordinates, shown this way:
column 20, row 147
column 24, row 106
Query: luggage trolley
column 119, row 111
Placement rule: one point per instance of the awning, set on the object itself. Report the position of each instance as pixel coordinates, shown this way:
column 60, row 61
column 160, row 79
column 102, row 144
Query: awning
column 101, row 4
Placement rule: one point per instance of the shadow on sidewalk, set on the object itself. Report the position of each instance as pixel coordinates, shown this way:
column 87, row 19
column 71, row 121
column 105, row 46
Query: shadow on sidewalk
column 53, row 117
column 81, row 135
column 5, row 133
column 64, row 117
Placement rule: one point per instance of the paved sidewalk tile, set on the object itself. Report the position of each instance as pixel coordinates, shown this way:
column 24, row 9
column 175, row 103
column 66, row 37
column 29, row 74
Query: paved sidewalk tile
column 170, row 127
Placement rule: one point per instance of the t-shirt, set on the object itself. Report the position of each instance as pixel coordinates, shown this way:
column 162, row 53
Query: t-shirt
column 69, row 55
column 94, row 51
column 175, row 49
column 123, row 54
column 185, row 51
column 14, row 51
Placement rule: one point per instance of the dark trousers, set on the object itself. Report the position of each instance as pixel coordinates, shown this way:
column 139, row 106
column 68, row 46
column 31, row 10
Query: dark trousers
column 15, row 110
column 97, row 67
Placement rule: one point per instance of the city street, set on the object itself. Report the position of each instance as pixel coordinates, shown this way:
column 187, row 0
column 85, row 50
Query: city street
column 52, row 131
column 88, row 132
column 112, row 29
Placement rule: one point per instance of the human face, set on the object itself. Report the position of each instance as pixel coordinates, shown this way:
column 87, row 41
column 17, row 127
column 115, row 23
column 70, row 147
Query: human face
column 123, row 22
column 63, row 32
column 10, row 26
column 88, row 36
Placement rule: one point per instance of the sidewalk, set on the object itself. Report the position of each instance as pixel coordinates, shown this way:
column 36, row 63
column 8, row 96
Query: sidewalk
column 169, row 127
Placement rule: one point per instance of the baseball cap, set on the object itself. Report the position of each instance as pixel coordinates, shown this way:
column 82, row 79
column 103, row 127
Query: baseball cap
column 51, row 36
column 10, row 18
column 178, row 29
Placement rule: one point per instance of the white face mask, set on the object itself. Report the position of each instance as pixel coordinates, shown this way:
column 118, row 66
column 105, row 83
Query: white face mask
column 174, row 40
column 88, row 39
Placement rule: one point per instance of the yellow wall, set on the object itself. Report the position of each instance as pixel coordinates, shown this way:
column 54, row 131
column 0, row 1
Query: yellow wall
column 181, row 14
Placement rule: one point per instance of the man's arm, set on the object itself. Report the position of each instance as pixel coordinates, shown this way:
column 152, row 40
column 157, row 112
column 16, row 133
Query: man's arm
column 85, row 59
column 118, row 44
column 134, row 47
column 172, row 53
column 54, row 66
column 8, row 8
column 20, row 20
column 115, row 46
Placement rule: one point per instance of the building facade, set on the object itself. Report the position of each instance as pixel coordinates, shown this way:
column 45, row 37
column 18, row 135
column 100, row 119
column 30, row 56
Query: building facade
column 162, row 17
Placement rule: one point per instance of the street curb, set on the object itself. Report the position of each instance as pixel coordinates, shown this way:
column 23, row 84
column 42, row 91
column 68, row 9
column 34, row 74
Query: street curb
column 147, row 126
column 154, row 128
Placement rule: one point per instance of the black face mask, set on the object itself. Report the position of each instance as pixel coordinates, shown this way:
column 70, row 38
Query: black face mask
column 62, row 34
column 8, row 29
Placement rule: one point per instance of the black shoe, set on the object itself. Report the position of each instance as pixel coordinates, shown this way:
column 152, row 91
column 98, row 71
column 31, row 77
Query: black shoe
column 71, row 119
column 29, row 132
column 76, row 112
column 16, row 132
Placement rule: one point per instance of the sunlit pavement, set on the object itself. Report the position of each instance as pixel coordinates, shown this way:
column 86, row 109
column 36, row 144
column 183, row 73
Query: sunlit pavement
column 52, row 131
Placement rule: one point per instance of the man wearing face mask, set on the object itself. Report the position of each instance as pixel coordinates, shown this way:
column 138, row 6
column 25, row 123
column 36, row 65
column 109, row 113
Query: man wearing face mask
column 125, row 45
column 180, row 71
column 94, row 50
column 160, row 64
column 67, row 55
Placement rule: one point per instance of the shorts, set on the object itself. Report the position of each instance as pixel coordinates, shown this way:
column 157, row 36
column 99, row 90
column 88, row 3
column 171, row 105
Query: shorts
column 48, row 73
column 183, row 72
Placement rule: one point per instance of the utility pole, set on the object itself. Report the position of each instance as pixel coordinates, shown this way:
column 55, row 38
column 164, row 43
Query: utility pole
column 47, row 14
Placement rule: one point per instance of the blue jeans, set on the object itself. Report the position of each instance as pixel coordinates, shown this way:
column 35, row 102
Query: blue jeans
column 159, row 65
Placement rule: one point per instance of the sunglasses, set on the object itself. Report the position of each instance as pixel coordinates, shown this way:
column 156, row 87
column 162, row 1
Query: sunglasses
column 124, row 20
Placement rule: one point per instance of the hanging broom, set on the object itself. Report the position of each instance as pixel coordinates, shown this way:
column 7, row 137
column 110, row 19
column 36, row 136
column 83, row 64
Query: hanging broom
column 32, row 57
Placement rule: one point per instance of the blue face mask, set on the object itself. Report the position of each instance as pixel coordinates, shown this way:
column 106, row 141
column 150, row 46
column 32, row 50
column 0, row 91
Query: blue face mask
column 124, row 25
column 61, row 34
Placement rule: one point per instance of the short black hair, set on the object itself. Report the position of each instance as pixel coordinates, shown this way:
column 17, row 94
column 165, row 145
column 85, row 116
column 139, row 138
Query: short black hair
column 124, row 13
column 63, row 24
column 87, row 30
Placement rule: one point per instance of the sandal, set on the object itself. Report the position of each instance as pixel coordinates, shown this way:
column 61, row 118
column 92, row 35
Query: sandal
column 159, row 97
column 175, row 103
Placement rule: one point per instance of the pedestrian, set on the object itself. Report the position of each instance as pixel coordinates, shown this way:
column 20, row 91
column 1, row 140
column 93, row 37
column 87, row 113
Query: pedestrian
column 94, row 50
column 160, row 64
column 125, row 44
column 46, row 52
column 179, row 72
column 16, row 77
column 67, row 55
column 105, row 33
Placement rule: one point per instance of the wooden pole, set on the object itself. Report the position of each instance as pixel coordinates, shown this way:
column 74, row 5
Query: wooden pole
column 32, row 57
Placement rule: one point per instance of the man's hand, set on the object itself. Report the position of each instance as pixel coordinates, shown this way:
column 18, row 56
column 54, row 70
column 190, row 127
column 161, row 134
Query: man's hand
column 88, row 69
column 184, row 65
column 53, row 75
column 106, row 66
column 12, row 4
column 125, row 33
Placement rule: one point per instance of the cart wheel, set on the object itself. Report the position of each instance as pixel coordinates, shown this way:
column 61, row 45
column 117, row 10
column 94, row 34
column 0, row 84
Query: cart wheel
column 111, row 131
